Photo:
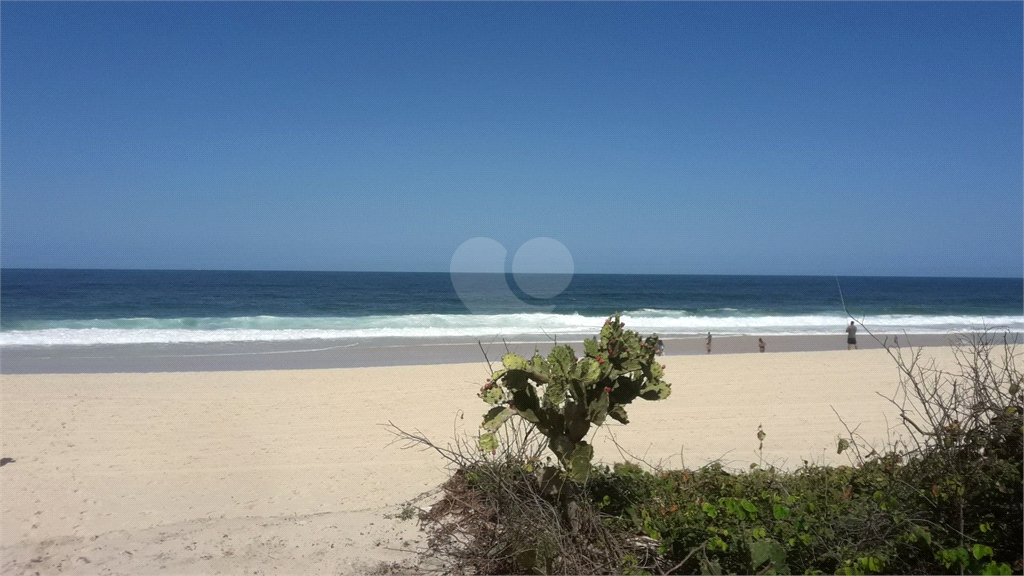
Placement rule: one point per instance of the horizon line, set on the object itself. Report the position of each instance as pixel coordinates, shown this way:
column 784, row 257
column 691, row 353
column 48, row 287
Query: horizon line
column 3, row 268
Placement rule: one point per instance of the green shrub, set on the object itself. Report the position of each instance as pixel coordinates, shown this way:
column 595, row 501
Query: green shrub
column 813, row 520
column 562, row 395
column 950, row 503
column 947, row 502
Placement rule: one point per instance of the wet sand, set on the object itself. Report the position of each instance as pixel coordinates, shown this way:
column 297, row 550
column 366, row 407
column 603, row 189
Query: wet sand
column 324, row 354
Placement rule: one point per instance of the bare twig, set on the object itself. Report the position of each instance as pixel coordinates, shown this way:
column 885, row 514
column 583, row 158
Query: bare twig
column 852, row 433
column 685, row 560
column 490, row 370
column 626, row 454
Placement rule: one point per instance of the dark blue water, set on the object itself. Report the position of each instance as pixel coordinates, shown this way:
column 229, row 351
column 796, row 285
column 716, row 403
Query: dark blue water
column 94, row 306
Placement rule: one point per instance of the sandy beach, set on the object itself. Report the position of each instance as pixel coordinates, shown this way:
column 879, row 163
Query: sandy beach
column 252, row 252
column 293, row 472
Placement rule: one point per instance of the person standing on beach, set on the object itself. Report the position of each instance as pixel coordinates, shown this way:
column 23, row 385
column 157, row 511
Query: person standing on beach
column 851, row 336
column 709, row 342
column 760, row 344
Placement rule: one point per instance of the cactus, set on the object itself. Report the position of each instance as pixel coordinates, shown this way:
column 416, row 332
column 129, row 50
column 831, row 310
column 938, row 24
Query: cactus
column 563, row 396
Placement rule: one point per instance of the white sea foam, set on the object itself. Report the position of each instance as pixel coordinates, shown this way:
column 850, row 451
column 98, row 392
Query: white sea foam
column 667, row 323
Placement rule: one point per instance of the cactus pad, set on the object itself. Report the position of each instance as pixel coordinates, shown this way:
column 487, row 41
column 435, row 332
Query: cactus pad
column 563, row 396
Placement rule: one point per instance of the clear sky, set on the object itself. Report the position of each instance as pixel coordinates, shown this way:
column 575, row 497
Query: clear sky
column 857, row 138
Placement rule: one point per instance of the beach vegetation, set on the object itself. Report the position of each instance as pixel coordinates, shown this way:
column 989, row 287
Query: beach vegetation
column 564, row 396
column 944, row 497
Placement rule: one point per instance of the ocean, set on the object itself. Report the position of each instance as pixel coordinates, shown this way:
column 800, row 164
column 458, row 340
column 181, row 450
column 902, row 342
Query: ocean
column 95, row 307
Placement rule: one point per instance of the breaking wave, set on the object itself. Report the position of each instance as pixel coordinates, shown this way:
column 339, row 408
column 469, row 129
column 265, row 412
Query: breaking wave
column 667, row 323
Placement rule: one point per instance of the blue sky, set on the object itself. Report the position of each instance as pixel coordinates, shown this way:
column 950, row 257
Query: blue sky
column 680, row 138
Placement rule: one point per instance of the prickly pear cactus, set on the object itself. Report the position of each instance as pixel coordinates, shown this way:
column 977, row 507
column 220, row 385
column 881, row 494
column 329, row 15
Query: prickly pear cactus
column 563, row 395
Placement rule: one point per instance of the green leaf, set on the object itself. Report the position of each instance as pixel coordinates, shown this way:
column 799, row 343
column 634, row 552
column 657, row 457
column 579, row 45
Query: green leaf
column 539, row 365
column 765, row 550
column 576, row 371
column 526, row 399
column 560, row 359
column 921, row 533
column 555, row 392
column 590, row 370
column 495, row 417
column 759, row 552
column 946, row 556
column 843, row 445
column 514, row 362
column 619, row 413
column 529, row 414
column 590, row 347
column 781, row 512
column 980, row 551
column 578, row 466
column 492, row 395
column 656, row 371
column 598, row 408
column 516, row 379
column 655, row 390
column 607, row 332
column 577, row 391
column 576, row 422
column 488, row 442
column 995, row 568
